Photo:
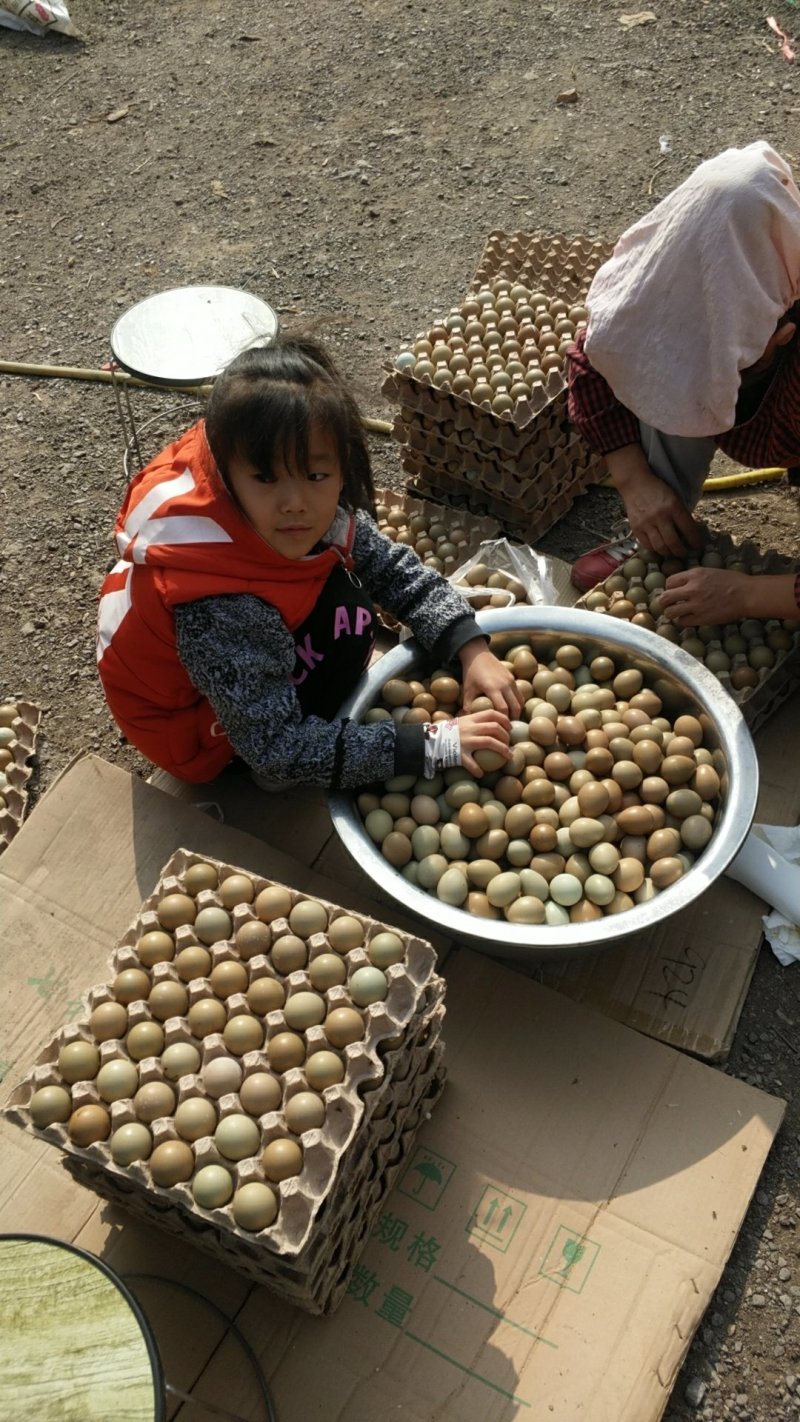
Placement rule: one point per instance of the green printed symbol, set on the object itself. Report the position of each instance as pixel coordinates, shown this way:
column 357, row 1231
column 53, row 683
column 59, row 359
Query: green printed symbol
column 496, row 1218
column 569, row 1259
column 426, row 1177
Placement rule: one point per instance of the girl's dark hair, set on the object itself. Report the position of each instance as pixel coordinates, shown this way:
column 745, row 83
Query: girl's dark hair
column 263, row 404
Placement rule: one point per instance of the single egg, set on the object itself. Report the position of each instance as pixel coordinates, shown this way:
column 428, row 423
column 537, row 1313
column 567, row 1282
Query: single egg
column 212, row 1187
column 282, row 1159
column 130, row 1142
column 180, row 1059
column 155, row 947
column 273, row 902
column 265, row 995
column 343, row 1025
column 286, row 1050
column 50, row 1104
column 171, row 1163
column 255, row 1206
column 176, row 909
column 221, row 1076
column 193, row 962
column 228, row 977
column 260, row 1093
column 345, row 932
column 213, row 925
column 200, row 876
column 131, row 985
column 252, row 939
column 145, row 1039
column 168, row 999
column 237, row 1137
column 89, row 1124
column 368, row 985
column 326, row 971
column 108, row 1021
column 304, row 1009
column 154, row 1100
column 195, row 1117
column 236, row 889
column 304, row 1112
column 308, row 917
column 78, row 1061
column 205, row 1016
column 243, row 1033
column 117, row 1080
column 324, row 1069
column 289, row 953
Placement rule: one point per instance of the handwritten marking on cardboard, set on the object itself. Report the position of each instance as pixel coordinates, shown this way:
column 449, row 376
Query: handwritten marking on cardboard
column 678, row 976
column 496, row 1218
column 426, row 1177
column 569, row 1259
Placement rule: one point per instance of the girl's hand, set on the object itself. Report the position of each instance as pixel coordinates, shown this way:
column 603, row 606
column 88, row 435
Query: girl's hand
column 706, row 595
column 483, row 730
column 484, row 675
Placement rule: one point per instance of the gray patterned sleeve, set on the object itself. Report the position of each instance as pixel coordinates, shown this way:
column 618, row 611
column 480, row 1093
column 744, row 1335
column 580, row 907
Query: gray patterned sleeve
column 239, row 653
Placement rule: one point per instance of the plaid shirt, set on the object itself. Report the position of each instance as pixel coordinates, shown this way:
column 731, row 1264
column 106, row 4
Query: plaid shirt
column 771, row 437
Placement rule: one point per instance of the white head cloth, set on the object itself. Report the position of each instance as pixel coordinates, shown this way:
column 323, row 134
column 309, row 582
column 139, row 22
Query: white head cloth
column 693, row 291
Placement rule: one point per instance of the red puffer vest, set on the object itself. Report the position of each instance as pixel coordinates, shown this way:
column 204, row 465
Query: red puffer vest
column 181, row 537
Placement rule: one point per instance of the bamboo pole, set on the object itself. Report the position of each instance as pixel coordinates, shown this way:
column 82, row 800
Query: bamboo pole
column 121, row 377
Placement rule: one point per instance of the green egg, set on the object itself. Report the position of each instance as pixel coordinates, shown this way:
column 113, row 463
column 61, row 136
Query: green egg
column 367, row 985
column 385, row 948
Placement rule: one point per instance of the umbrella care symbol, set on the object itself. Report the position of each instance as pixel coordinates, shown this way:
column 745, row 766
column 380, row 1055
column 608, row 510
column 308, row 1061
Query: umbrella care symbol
column 572, row 1252
column 427, row 1171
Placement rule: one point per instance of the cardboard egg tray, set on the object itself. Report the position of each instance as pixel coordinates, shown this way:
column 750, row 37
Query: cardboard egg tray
column 522, row 440
column 478, row 529
column 18, row 771
column 776, row 683
column 390, row 1074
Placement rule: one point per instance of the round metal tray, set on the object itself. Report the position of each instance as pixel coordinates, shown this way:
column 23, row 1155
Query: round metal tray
column 684, row 685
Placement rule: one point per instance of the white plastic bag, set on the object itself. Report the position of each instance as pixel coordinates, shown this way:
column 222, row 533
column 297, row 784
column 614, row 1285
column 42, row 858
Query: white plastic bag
column 529, row 570
column 37, row 17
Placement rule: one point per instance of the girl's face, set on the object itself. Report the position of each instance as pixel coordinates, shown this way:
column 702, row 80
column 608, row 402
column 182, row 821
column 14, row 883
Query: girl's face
column 290, row 509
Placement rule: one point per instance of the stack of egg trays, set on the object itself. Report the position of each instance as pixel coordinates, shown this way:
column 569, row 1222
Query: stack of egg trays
column 477, row 528
column 25, row 726
column 524, row 441
column 777, row 683
column 393, row 1076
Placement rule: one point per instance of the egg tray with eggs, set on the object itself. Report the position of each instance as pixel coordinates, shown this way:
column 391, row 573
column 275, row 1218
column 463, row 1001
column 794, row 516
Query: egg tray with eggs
column 757, row 662
column 442, row 537
column 526, row 518
column 19, row 724
column 605, row 803
column 554, row 262
column 200, row 1035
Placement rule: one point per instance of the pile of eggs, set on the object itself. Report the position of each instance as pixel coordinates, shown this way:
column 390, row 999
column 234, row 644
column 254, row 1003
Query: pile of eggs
column 497, row 347
column 739, row 653
column 604, row 803
column 184, row 1099
column 440, row 542
column 497, row 588
column 9, row 742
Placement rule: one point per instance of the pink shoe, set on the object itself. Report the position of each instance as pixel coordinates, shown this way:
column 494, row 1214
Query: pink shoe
column 596, row 565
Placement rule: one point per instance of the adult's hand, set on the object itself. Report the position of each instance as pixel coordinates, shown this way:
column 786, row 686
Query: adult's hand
column 717, row 595
column 483, row 730
column 658, row 518
column 485, row 675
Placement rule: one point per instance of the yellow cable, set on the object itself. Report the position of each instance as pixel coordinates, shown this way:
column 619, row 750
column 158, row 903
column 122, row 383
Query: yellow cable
column 728, row 481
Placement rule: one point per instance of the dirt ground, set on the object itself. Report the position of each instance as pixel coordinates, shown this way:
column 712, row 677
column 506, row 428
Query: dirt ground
column 347, row 159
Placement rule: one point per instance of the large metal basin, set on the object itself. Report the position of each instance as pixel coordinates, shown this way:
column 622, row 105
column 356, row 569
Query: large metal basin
column 684, row 685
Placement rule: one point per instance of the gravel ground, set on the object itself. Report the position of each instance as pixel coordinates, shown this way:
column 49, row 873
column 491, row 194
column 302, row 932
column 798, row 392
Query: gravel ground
column 347, row 161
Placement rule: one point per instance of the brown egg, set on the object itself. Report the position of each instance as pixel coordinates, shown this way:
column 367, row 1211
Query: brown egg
column 492, row 845
column 690, row 727
column 260, row 1093
column 236, row 889
column 347, row 932
column 599, row 761
column 666, row 871
column 489, row 760
column 585, row 912
column 176, row 909
column 446, row 689
column 145, row 1039
column 615, row 795
column 548, row 865
column 542, row 731
column 193, row 962
column 171, row 1163
column 252, row 939
column 131, row 985
column 478, row 904
column 648, row 755
column 677, row 769
column 519, row 821
column 343, row 1025
column 304, row 1112
column 679, row 745
column 538, row 791
column 286, row 1050
column 200, row 876
column 282, row 1159
column 706, row 782
column 108, row 1021
column 168, row 999
column 628, row 875
column 543, row 838
column 654, row 789
column 89, row 1124
column 508, row 789
column 473, row 821
column 571, row 730
column 558, row 765
column 663, row 843
column 228, row 977
column 323, row 1069
column 593, row 798
column 265, row 995
column 154, row 1100
column 273, row 902
column 205, row 1016
column 155, row 947
column 636, row 819
column 243, row 1033
column 289, row 953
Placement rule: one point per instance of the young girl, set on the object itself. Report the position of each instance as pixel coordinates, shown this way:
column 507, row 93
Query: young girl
column 691, row 344
column 239, row 615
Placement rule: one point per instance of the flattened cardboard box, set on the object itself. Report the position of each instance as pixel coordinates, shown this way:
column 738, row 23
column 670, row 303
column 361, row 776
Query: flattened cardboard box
column 547, row 1252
